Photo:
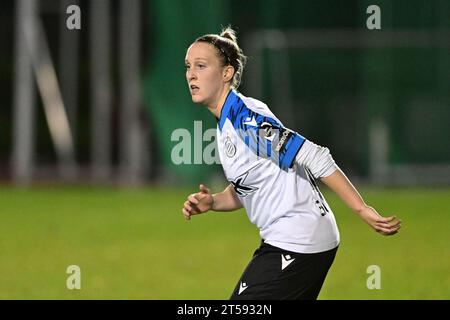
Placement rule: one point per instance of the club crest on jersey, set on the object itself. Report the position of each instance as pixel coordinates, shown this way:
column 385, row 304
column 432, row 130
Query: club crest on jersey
column 267, row 131
column 230, row 148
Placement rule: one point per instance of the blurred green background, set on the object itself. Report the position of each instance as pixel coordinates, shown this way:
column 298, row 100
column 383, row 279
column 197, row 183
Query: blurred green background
column 331, row 87
column 136, row 245
column 315, row 63
column 379, row 99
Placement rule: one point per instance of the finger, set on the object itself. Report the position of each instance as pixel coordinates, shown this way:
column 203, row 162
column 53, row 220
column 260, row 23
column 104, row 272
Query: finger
column 192, row 199
column 194, row 209
column 382, row 230
column 391, row 224
column 186, row 214
column 204, row 189
column 191, row 208
column 391, row 231
column 388, row 224
column 187, row 206
column 386, row 219
column 387, row 231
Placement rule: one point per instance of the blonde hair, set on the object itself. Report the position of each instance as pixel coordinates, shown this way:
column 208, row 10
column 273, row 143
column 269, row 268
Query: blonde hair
column 229, row 52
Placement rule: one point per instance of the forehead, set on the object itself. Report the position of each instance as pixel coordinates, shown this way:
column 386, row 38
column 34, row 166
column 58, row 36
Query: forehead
column 200, row 50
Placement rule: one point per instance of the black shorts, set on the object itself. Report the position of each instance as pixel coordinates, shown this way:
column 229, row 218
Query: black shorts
column 277, row 274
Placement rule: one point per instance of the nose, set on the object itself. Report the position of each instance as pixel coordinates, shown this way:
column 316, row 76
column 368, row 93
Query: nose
column 190, row 75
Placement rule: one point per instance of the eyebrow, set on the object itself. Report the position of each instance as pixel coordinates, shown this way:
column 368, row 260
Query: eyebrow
column 196, row 59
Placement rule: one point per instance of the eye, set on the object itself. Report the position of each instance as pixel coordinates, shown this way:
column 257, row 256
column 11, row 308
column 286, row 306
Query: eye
column 201, row 66
column 187, row 66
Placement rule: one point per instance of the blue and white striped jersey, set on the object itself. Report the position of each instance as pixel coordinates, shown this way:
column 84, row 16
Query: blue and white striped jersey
column 280, row 196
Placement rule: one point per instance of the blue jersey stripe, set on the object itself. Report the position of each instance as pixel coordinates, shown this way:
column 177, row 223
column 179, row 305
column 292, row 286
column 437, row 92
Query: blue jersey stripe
column 292, row 148
column 265, row 136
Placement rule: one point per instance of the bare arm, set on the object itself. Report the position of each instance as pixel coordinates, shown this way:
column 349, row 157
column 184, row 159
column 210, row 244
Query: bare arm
column 203, row 201
column 340, row 184
column 227, row 200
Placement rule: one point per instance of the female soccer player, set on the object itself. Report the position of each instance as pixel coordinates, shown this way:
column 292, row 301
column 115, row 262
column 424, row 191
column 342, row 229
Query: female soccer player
column 272, row 172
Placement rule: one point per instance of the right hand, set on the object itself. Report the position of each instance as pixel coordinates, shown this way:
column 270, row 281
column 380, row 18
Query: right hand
column 197, row 203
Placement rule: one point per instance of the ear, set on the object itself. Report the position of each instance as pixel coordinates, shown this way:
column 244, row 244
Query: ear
column 228, row 73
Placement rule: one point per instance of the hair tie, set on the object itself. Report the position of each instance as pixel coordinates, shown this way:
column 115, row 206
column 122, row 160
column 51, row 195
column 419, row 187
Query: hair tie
column 214, row 43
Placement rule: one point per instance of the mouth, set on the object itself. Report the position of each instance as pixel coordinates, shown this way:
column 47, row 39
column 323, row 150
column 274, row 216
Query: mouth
column 194, row 89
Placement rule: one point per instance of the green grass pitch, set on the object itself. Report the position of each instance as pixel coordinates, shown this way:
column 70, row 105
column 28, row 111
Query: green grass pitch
column 135, row 244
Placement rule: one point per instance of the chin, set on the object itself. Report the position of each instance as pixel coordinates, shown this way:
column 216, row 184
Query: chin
column 197, row 99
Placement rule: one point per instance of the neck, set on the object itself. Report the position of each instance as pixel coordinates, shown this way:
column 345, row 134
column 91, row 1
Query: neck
column 216, row 106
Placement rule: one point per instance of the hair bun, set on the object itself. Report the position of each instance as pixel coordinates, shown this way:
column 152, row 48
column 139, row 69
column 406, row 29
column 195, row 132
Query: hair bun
column 228, row 52
column 229, row 33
